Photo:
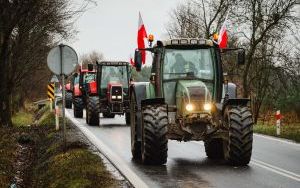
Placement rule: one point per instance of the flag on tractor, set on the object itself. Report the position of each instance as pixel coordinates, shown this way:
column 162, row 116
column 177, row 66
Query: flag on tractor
column 142, row 34
column 131, row 61
column 223, row 38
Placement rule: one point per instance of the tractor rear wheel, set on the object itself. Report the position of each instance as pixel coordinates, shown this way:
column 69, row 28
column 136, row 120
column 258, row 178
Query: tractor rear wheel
column 238, row 147
column 214, row 148
column 108, row 115
column 92, row 111
column 68, row 100
column 78, row 107
column 135, row 143
column 154, row 135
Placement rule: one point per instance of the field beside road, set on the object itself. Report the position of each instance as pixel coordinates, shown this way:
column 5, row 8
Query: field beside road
column 291, row 131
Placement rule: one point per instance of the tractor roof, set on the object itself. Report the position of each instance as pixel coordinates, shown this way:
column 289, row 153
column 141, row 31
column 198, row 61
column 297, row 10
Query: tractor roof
column 185, row 42
column 113, row 63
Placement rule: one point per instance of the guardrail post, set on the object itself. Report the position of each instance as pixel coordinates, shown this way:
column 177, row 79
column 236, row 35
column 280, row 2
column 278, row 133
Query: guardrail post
column 56, row 115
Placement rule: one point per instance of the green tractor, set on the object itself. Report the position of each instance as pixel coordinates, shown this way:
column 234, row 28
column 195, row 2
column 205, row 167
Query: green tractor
column 188, row 99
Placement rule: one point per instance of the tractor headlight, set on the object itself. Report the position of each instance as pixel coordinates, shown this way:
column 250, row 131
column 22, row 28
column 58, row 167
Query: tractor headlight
column 207, row 107
column 113, row 97
column 189, row 107
column 119, row 97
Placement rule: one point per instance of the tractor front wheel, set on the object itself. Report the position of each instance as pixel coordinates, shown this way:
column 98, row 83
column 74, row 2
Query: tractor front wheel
column 78, row 107
column 238, row 147
column 154, row 135
column 92, row 111
column 134, row 118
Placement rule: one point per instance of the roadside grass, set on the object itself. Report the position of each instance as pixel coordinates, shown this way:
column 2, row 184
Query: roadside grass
column 8, row 139
column 291, row 131
column 73, row 166
column 22, row 118
column 51, row 165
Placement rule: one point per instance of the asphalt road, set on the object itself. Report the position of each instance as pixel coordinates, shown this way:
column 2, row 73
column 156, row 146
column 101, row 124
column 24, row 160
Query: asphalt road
column 275, row 163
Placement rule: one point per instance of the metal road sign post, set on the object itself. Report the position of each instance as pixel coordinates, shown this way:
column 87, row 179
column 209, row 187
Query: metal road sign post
column 62, row 60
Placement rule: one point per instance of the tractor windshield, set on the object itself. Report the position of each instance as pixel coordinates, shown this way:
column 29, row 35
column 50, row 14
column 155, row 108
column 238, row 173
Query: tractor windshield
column 76, row 80
column 114, row 74
column 89, row 77
column 191, row 63
column 186, row 64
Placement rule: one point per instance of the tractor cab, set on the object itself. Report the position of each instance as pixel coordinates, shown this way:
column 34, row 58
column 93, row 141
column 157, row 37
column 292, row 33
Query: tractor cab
column 113, row 87
column 112, row 92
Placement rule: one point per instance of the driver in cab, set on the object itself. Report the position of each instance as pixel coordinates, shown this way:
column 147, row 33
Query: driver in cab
column 182, row 66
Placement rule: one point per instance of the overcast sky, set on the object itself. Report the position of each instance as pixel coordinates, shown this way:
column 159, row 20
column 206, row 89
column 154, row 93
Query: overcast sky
column 111, row 26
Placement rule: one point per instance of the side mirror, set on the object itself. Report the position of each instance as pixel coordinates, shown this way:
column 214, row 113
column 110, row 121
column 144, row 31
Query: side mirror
column 138, row 60
column 90, row 67
column 241, row 57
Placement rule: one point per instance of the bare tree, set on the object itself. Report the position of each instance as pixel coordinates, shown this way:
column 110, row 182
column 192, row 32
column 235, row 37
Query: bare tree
column 27, row 30
column 91, row 58
column 198, row 18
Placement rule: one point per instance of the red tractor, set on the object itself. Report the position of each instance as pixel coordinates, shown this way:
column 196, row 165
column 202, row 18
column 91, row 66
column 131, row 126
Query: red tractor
column 82, row 82
column 112, row 96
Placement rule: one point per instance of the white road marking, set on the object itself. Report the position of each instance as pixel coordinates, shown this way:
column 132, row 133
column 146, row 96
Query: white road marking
column 276, row 170
column 278, row 139
column 269, row 167
column 132, row 177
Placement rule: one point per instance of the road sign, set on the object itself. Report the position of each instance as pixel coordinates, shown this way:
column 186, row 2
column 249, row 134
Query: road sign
column 50, row 91
column 62, row 60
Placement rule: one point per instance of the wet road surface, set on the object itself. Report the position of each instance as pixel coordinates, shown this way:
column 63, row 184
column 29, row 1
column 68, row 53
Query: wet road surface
column 275, row 163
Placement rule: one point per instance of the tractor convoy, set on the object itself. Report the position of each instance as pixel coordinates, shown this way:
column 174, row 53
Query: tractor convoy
column 187, row 98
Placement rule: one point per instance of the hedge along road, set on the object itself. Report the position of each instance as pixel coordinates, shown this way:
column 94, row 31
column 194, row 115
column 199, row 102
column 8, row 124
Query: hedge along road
column 275, row 163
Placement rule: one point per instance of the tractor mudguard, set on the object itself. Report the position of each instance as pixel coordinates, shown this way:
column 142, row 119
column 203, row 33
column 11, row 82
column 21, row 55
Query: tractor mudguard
column 77, row 91
column 237, row 102
column 153, row 101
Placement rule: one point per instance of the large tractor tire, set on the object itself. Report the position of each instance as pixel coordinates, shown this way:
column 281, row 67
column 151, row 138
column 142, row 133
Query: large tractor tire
column 108, row 115
column 92, row 111
column 238, row 147
column 214, row 148
column 127, row 118
column 68, row 100
column 78, row 107
column 135, row 143
column 154, row 135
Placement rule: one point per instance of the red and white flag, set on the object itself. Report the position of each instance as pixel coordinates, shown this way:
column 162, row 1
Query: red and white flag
column 142, row 34
column 223, row 38
column 131, row 61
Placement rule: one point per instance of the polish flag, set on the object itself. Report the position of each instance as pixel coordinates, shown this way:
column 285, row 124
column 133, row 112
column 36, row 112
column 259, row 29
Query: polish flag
column 131, row 61
column 222, row 40
column 142, row 34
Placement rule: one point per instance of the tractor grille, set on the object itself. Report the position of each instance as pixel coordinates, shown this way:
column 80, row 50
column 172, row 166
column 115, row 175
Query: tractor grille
column 197, row 97
column 117, row 92
column 197, row 92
